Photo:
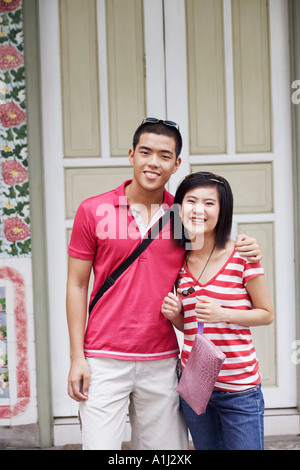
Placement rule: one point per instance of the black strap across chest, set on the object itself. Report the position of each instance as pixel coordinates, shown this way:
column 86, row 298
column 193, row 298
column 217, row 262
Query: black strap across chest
column 152, row 234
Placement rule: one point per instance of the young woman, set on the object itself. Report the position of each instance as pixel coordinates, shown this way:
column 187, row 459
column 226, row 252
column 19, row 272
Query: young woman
column 227, row 294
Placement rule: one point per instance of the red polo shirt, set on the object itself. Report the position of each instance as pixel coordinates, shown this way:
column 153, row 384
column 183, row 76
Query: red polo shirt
column 127, row 322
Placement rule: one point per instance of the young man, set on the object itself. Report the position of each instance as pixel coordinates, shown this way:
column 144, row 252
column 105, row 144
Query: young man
column 128, row 353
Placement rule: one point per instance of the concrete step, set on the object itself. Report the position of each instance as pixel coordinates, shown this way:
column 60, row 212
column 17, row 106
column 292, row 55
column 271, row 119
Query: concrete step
column 278, row 422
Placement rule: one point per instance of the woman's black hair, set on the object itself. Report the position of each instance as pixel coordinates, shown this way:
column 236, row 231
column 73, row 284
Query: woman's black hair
column 195, row 180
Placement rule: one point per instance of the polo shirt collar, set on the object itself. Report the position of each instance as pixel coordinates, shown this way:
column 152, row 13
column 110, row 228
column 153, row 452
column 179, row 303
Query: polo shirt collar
column 120, row 198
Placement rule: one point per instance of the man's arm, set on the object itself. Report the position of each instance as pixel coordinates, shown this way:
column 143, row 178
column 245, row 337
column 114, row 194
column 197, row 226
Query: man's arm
column 77, row 290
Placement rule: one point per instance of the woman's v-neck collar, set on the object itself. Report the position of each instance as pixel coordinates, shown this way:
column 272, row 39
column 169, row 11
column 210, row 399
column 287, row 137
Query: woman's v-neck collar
column 215, row 276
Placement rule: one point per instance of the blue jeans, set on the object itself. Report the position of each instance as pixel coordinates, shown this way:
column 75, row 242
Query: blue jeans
column 232, row 421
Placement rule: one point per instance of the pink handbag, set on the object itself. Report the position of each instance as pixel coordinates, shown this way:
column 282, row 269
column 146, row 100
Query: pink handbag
column 200, row 373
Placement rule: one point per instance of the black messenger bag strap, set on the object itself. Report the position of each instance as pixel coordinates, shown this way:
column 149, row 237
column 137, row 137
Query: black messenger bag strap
column 110, row 280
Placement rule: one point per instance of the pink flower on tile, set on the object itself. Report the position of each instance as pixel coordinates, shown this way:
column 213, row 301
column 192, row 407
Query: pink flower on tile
column 11, row 115
column 13, row 172
column 15, row 229
column 9, row 5
column 10, row 58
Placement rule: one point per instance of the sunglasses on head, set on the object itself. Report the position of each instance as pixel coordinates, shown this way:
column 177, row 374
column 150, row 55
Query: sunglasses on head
column 152, row 120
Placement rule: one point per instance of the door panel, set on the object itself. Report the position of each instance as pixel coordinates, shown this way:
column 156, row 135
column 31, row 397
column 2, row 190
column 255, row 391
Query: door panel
column 80, row 90
column 251, row 59
column 82, row 183
column 251, row 184
column 206, row 77
column 264, row 337
column 126, row 75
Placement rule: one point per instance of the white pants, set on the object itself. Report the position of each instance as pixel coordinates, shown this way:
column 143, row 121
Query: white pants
column 154, row 409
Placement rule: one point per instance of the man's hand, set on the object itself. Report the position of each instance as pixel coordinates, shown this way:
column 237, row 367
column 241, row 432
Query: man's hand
column 248, row 247
column 79, row 380
column 172, row 309
column 172, row 306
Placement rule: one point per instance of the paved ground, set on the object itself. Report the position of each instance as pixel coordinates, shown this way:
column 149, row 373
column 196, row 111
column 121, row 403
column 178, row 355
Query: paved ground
column 271, row 443
column 282, row 443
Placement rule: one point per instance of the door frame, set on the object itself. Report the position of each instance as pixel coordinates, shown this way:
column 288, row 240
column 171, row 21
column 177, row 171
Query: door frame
column 294, row 30
column 38, row 226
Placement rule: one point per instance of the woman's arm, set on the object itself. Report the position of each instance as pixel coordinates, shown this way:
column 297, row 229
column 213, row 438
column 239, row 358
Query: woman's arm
column 208, row 311
column 77, row 290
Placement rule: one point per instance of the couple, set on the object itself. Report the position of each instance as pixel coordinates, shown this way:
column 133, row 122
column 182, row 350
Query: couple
column 128, row 352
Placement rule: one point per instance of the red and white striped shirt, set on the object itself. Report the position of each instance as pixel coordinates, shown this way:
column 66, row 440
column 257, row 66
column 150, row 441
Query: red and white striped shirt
column 226, row 288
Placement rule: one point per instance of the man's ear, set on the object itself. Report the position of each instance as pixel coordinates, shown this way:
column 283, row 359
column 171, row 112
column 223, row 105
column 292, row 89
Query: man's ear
column 177, row 165
column 131, row 154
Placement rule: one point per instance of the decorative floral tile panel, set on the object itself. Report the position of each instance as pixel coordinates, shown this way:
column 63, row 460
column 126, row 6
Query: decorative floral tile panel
column 17, row 405
column 15, row 238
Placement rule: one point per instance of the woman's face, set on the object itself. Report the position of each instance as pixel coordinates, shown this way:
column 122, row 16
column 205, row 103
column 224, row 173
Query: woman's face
column 199, row 211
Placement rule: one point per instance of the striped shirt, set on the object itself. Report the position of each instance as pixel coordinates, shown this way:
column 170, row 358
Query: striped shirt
column 228, row 289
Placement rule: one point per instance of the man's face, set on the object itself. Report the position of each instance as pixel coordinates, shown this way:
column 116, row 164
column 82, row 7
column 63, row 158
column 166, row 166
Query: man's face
column 154, row 160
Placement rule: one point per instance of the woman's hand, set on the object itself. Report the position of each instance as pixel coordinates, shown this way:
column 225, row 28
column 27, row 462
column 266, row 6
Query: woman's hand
column 208, row 311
